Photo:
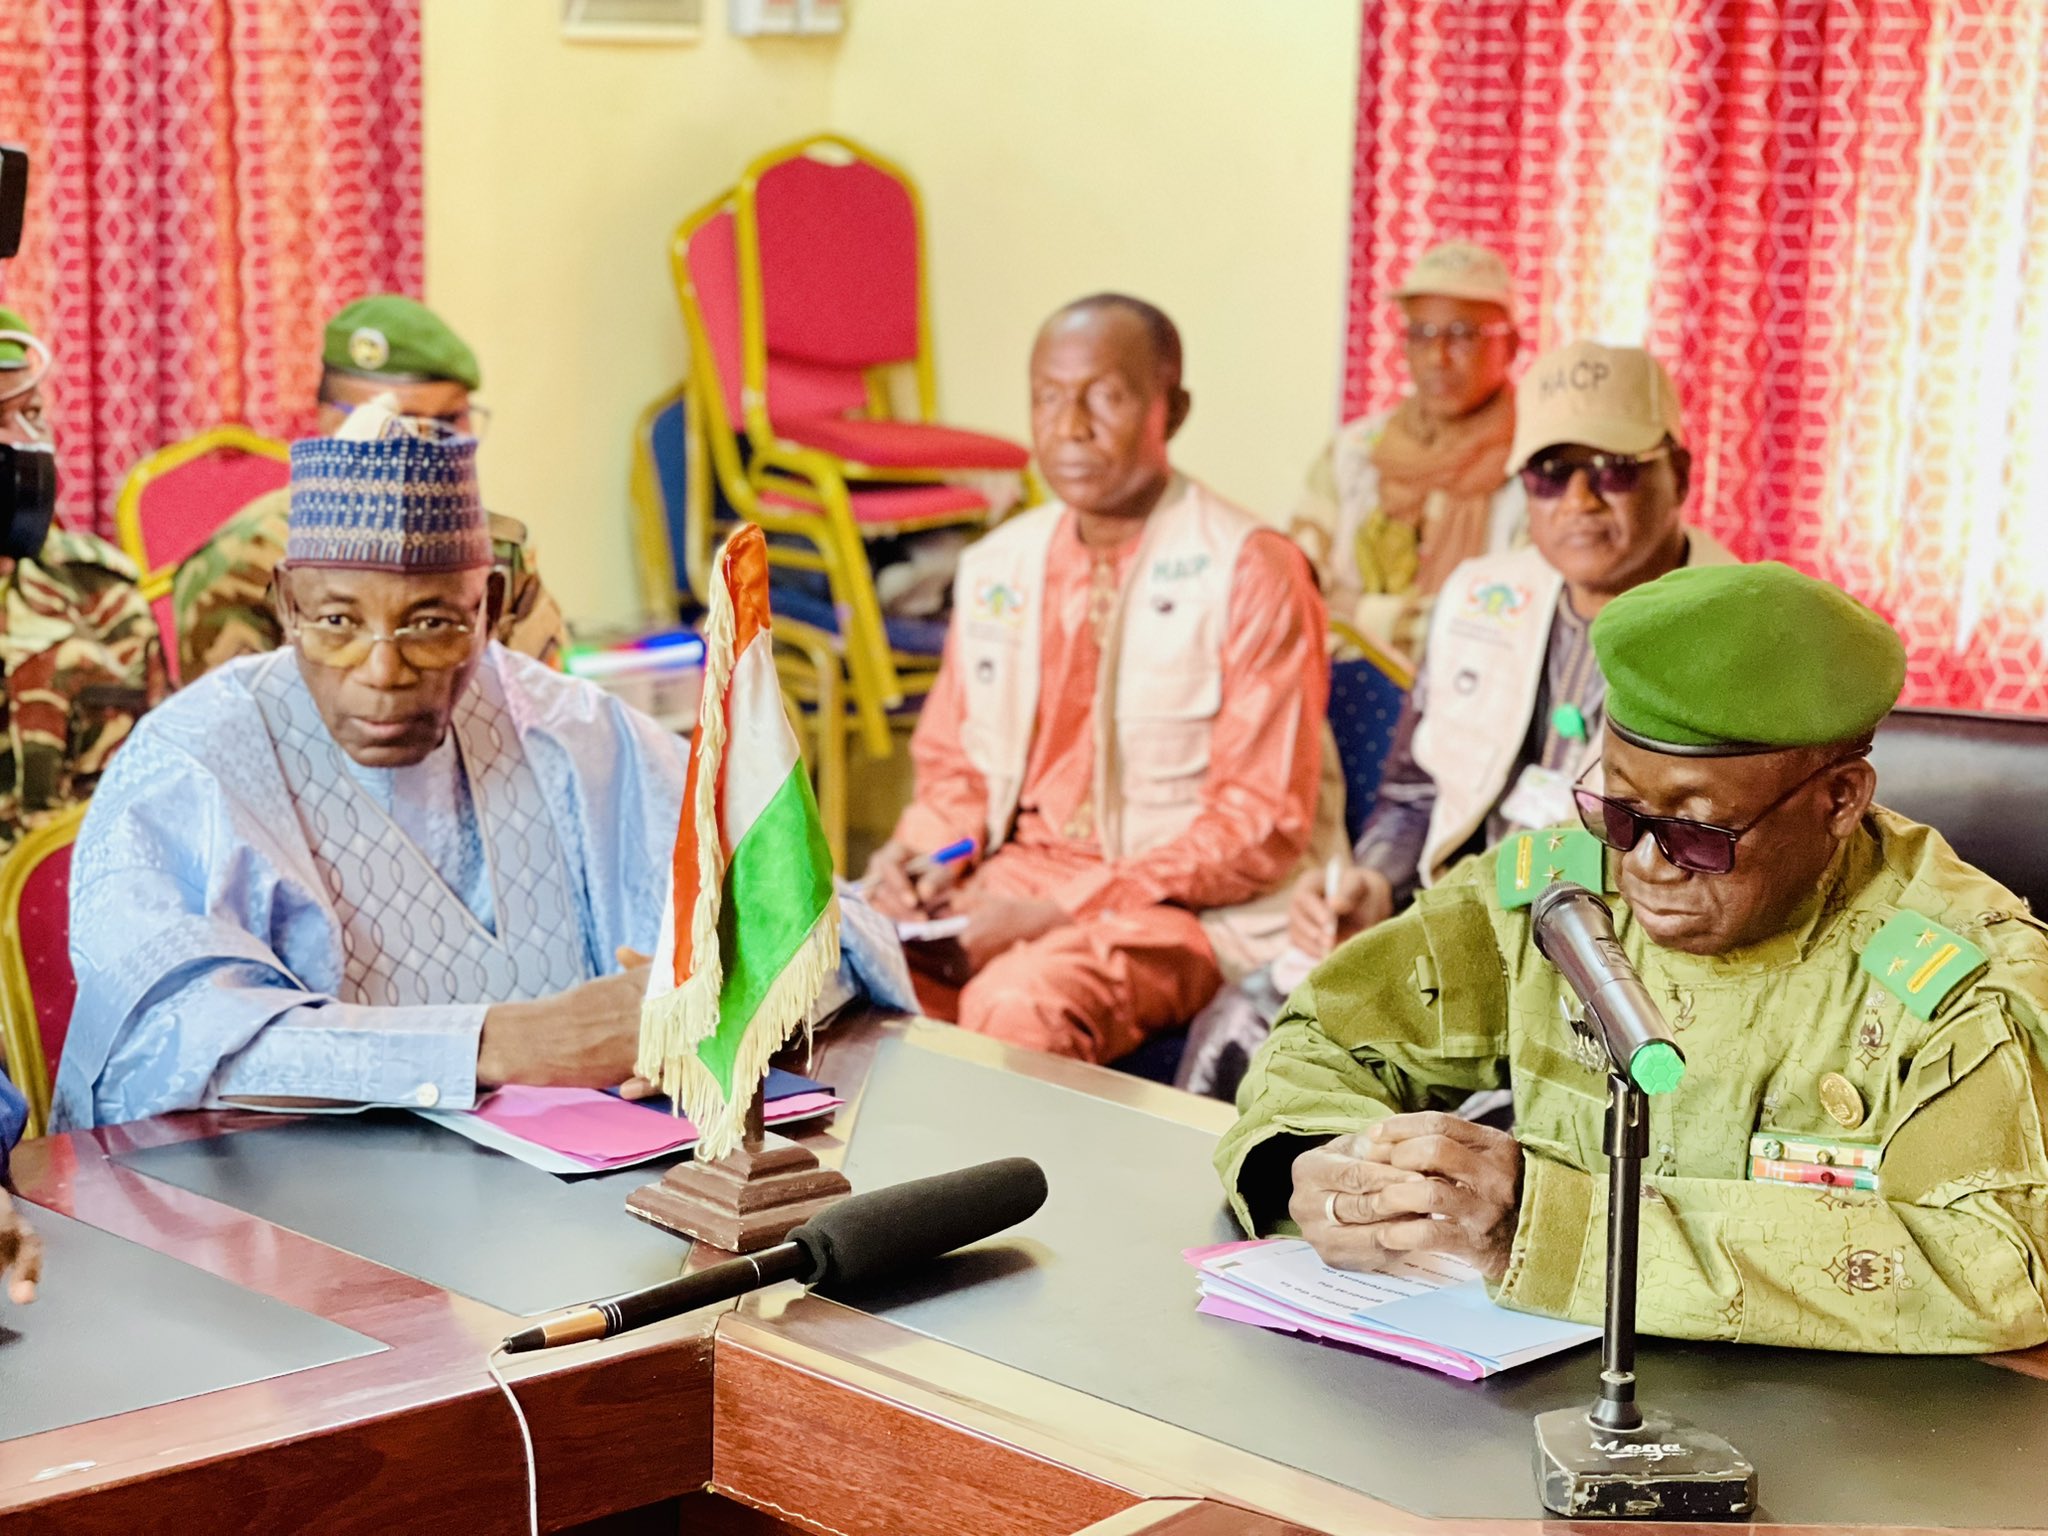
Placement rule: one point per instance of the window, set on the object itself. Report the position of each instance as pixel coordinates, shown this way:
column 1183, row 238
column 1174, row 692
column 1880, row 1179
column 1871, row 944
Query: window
column 633, row 21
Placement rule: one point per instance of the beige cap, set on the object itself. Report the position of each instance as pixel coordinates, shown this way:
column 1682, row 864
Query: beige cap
column 1615, row 399
column 1455, row 270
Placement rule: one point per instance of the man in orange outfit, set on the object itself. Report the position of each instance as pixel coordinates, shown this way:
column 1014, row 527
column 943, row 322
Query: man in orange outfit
column 1128, row 721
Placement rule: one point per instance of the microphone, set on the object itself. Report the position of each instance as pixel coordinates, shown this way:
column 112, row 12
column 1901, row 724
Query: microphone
column 1575, row 932
column 1618, row 1459
column 855, row 1241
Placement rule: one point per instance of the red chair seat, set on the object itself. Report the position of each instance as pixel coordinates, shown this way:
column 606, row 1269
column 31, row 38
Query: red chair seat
column 46, row 948
column 895, row 503
column 902, row 444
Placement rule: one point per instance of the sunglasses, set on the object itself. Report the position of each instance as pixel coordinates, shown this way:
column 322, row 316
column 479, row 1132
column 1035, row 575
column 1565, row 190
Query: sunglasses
column 1608, row 474
column 1458, row 335
column 1697, row 846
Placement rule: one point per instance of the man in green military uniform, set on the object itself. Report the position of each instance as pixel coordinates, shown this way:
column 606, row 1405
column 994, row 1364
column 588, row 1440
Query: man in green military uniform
column 1856, row 1156
column 78, row 646
column 387, row 344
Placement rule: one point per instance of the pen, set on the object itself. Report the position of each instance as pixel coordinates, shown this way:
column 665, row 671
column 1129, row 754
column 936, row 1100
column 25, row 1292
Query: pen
column 952, row 853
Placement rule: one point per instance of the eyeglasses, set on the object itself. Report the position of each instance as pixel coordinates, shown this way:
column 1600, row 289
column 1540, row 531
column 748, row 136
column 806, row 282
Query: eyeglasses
column 1607, row 474
column 1458, row 336
column 341, row 640
column 1697, row 846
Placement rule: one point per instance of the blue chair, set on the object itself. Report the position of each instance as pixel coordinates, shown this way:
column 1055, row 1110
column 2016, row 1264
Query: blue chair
column 1367, row 690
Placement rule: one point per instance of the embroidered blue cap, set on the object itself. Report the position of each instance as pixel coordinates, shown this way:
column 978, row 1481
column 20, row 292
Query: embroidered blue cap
column 399, row 503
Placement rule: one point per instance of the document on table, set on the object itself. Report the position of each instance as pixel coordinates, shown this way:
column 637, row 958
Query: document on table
column 1425, row 1308
column 568, row 1131
column 930, row 930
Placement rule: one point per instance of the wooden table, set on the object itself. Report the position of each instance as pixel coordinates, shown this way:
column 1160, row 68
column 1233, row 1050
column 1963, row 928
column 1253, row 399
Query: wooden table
column 798, row 1413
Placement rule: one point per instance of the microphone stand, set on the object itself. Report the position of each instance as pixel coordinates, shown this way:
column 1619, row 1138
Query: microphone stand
column 1614, row 1460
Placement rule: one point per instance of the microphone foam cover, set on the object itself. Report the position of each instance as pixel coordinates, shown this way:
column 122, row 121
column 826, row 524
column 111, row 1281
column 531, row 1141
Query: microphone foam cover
column 886, row 1231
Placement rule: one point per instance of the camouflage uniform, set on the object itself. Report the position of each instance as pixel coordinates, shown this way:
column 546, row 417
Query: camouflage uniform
column 220, row 596
column 1807, row 1039
column 82, row 660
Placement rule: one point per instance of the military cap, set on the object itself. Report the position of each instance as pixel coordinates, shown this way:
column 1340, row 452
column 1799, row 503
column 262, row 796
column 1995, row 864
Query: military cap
column 12, row 353
column 389, row 336
column 1727, row 660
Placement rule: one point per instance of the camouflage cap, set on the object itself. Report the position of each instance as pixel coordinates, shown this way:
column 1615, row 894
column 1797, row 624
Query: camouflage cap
column 1727, row 660
column 12, row 353
column 389, row 336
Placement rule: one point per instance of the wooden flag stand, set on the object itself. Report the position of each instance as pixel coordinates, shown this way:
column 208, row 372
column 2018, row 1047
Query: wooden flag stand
column 752, row 1197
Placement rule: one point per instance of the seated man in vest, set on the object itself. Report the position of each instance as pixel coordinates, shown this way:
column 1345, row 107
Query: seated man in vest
column 21, row 1251
column 1399, row 498
column 392, row 863
column 1506, row 710
column 78, row 645
column 386, row 344
column 1128, row 720
column 1848, row 993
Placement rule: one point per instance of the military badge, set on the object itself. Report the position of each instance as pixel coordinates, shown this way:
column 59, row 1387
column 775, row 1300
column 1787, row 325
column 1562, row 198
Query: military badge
column 1776, row 1157
column 368, row 348
column 1920, row 962
column 1529, row 861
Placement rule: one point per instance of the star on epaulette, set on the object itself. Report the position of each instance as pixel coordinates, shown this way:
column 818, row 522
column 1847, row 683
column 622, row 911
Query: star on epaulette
column 1556, row 841
column 1920, row 962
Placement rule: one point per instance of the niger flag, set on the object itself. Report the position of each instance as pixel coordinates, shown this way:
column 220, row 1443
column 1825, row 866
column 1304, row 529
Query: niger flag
column 751, row 932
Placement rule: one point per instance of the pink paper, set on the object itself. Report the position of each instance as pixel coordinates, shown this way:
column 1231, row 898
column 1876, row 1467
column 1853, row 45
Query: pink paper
column 585, row 1123
column 1200, row 1256
column 799, row 1106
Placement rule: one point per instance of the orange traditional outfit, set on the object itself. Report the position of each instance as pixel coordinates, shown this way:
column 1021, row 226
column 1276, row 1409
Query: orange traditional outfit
column 1133, row 956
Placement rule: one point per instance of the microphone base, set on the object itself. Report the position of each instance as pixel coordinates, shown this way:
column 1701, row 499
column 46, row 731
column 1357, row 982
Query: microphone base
column 750, row 1199
column 1668, row 1469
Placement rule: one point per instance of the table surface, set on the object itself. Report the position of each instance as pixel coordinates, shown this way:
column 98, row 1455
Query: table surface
column 830, row 1418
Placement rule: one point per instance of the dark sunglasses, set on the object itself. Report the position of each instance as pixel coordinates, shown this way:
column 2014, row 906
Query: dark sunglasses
column 1698, row 846
column 1609, row 474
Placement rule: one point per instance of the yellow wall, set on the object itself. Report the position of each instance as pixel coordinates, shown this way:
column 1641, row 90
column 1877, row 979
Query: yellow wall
column 555, row 172
column 1195, row 152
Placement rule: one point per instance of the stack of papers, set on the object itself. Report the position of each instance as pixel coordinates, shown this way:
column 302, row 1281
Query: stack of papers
column 1427, row 1309
column 586, row 1130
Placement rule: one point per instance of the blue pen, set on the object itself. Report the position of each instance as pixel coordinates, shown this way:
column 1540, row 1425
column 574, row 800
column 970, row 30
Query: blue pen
column 952, row 853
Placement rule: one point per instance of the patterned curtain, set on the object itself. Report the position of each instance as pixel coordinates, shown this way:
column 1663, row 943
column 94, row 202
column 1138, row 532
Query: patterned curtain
column 1829, row 217
column 211, row 179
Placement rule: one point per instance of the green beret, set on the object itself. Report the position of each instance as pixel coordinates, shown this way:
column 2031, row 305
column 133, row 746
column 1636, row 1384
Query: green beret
column 1722, row 660
column 12, row 353
column 391, row 336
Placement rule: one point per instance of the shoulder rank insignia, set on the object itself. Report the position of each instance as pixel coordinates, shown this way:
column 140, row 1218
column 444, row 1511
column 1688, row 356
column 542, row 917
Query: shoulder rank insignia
column 1921, row 962
column 1529, row 861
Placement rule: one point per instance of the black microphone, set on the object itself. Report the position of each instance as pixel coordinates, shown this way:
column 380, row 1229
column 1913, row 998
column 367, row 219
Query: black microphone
column 1575, row 932
column 860, row 1239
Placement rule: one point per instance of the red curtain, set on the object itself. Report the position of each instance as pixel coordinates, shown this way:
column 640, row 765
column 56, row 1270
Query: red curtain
column 1828, row 217
column 211, row 179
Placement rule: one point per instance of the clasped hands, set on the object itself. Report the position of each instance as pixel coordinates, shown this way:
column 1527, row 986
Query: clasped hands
column 1417, row 1183
column 994, row 922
